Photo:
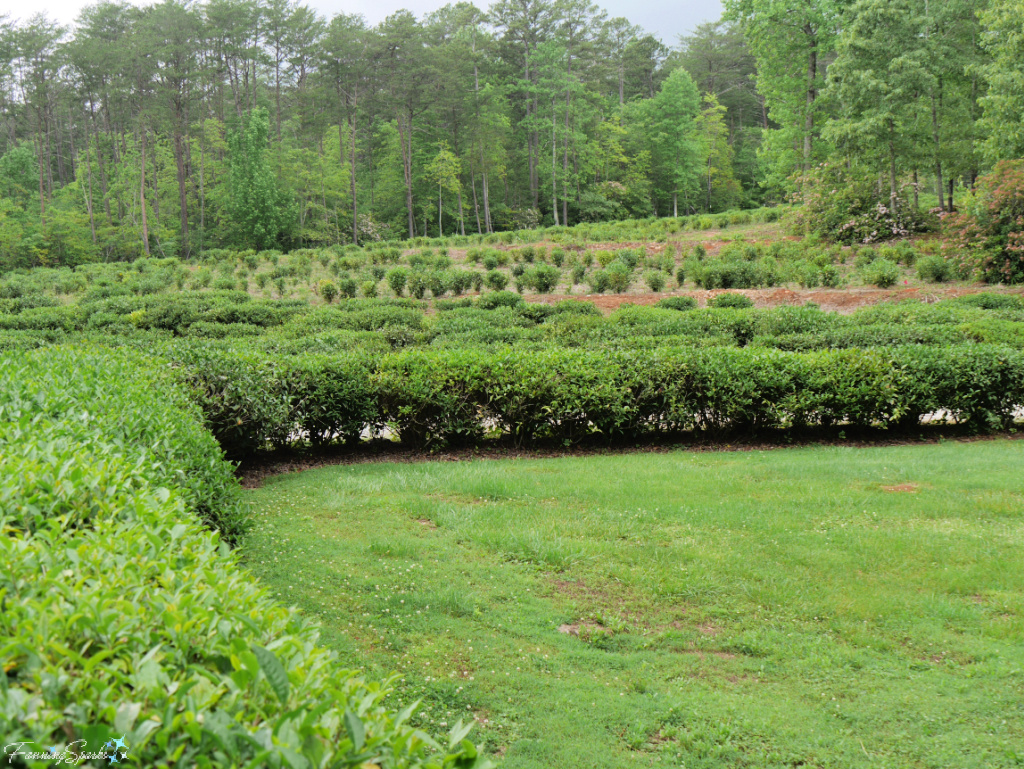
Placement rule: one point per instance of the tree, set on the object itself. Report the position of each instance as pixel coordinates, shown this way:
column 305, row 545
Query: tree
column 444, row 170
column 1003, row 105
column 720, row 186
column 260, row 213
column 878, row 76
column 791, row 43
column 674, row 134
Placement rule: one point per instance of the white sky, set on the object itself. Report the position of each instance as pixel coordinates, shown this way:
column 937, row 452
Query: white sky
column 666, row 19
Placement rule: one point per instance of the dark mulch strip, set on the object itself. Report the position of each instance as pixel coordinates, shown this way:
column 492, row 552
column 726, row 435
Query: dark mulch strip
column 253, row 471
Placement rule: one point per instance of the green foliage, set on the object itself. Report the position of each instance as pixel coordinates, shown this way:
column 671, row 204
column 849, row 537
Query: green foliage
column 397, row 278
column 882, row 273
column 735, row 301
column 986, row 238
column 846, row 205
column 260, row 212
column 104, row 467
column 934, row 269
column 655, row 280
column 681, row 303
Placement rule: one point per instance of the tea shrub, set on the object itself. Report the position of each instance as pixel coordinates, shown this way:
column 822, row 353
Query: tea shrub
column 933, row 269
column 104, row 468
column 735, row 301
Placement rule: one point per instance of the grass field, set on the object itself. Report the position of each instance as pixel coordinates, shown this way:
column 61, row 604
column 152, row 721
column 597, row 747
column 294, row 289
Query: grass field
column 816, row 607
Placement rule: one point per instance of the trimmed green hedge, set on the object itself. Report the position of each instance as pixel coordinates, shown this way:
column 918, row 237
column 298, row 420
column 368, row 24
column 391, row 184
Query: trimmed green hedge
column 436, row 397
column 122, row 616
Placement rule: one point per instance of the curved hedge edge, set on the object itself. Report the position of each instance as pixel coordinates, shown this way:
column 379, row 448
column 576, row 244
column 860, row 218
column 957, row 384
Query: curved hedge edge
column 124, row 618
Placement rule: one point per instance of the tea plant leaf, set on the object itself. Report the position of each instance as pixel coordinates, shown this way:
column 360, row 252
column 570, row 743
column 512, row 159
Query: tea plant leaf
column 274, row 671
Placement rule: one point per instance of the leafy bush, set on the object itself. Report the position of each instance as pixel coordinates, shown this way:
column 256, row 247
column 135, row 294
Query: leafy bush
column 736, row 301
column 397, row 277
column 986, row 237
column 328, row 290
column 882, row 273
column 678, row 303
column 990, row 301
column 933, row 269
column 655, row 280
column 599, row 281
column 846, row 205
column 543, row 278
column 499, row 299
column 496, row 280
column 103, row 465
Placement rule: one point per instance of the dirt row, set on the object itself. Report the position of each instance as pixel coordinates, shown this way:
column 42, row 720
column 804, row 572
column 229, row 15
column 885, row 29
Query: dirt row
column 843, row 301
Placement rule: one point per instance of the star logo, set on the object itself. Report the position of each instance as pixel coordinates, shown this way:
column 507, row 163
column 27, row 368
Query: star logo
column 53, row 749
column 119, row 742
column 112, row 758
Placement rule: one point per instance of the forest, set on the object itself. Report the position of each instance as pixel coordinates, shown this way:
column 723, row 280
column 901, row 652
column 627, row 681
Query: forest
column 177, row 127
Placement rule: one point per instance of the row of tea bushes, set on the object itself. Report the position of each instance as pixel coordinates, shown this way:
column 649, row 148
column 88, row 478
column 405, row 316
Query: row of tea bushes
column 440, row 397
column 377, row 326
column 123, row 617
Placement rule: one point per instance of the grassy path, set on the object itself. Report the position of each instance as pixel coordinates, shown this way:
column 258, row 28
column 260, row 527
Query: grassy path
column 824, row 607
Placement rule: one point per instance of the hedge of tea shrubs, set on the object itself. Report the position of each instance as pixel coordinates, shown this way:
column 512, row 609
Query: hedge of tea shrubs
column 123, row 616
column 496, row 319
column 429, row 397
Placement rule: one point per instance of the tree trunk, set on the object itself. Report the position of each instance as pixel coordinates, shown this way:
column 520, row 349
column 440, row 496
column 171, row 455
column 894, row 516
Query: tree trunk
column 892, row 166
column 179, row 163
column 565, row 146
column 532, row 143
column 476, row 203
column 554, row 177
column 812, row 93
column 91, row 126
column 202, row 194
column 405, row 140
column 462, row 223
column 352, row 164
column 88, row 199
column 42, row 187
column 142, row 197
column 156, row 190
column 936, row 145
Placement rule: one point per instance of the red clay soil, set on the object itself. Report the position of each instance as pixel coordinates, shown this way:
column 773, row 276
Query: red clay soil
column 843, row 301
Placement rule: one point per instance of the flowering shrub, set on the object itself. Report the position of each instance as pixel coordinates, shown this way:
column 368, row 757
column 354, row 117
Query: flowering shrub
column 985, row 239
column 848, row 206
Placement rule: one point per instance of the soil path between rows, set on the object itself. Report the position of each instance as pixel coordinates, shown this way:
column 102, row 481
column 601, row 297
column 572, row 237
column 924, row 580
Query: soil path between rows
column 841, row 300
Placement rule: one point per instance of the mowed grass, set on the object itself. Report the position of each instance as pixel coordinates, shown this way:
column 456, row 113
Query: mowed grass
column 816, row 607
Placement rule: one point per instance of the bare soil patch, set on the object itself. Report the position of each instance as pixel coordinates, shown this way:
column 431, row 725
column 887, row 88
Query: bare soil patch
column 843, row 301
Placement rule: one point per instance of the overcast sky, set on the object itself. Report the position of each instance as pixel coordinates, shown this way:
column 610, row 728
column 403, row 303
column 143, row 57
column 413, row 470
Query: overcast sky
column 666, row 19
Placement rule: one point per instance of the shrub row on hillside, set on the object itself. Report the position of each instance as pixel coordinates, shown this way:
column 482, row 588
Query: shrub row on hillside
column 430, row 397
column 123, row 618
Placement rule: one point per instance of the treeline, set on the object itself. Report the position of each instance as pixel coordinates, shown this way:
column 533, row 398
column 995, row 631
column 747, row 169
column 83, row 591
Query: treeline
column 177, row 127
column 875, row 102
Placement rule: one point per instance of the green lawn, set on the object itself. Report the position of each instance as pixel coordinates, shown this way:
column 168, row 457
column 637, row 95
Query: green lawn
column 817, row 607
